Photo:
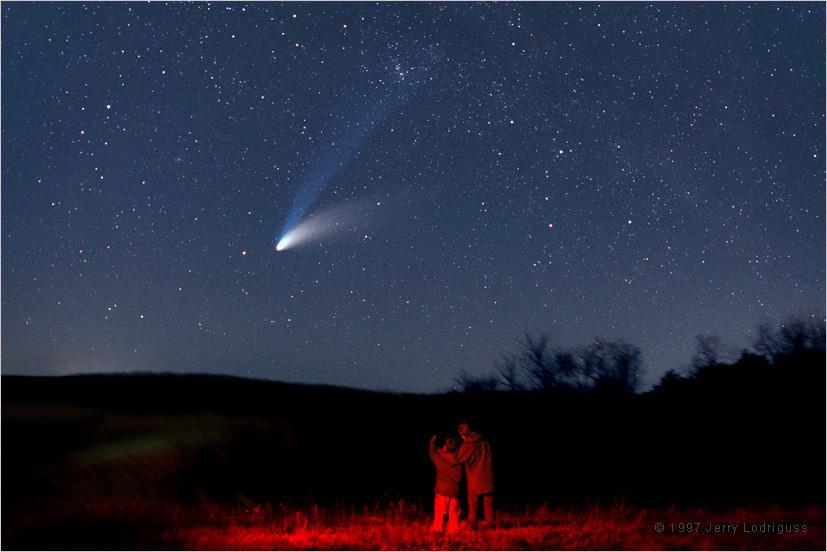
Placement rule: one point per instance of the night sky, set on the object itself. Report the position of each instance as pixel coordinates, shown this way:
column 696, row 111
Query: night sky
column 645, row 172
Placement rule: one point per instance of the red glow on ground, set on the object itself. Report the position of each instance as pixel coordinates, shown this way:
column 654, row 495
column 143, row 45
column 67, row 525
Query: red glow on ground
column 394, row 528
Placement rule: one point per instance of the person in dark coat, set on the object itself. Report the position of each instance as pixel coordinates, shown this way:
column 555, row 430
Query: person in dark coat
column 447, row 487
column 475, row 454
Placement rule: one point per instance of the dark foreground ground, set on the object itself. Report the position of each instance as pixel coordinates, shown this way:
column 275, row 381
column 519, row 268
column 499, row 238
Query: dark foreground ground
column 405, row 526
column 204, row 462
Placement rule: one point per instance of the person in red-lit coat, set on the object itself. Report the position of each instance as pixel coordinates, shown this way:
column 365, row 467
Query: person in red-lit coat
column 475, row 453
column 447, row 487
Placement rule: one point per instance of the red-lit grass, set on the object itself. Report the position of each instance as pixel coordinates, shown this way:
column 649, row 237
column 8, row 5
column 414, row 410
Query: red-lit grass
column 397, row 526
column 404, row 526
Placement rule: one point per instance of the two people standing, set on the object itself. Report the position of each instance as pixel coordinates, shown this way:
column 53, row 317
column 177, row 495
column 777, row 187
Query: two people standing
column 472, row 458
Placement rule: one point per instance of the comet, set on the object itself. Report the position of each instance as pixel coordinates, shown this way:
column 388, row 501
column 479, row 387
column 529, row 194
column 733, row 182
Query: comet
column 326, row 224
column 296, row 230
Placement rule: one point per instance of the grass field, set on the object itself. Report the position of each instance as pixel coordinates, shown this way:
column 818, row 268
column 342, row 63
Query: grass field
column 405, row 526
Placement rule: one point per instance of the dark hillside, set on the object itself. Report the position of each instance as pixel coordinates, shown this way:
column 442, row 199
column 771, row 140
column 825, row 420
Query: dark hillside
column 749, row 431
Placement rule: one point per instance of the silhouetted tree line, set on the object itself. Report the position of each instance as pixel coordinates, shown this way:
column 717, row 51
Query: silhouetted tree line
column 615, row 366
column 796, row 343
column 602, row 365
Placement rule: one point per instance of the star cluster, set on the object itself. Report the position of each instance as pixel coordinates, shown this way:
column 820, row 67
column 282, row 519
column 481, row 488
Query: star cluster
column 646, row 172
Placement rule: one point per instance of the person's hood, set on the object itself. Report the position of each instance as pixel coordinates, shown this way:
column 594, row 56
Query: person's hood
column 473, row 436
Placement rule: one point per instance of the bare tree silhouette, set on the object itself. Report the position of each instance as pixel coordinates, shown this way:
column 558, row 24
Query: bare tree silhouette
column 602, row 364
column 509, row 378
column 795, row 336
column 535, row 359
column 707, row 351
column 613, row 366
column 468, row 383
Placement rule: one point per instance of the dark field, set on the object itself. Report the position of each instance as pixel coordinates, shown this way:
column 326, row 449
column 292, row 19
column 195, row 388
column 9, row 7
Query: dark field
column 166, row 461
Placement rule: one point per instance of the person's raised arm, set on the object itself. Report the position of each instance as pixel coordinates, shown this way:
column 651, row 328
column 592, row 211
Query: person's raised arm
column 432, row 452
column 438, row 458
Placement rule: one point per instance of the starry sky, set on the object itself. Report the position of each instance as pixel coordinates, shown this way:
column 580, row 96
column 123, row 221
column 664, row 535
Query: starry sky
column 635, row 171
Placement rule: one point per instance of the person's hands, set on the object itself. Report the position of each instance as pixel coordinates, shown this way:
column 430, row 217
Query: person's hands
column 433, row 438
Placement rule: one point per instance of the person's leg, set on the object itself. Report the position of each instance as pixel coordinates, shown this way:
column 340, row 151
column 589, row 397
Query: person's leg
column 488, row 509
column 473, row 508
column 440, row 506
column 453, row 514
